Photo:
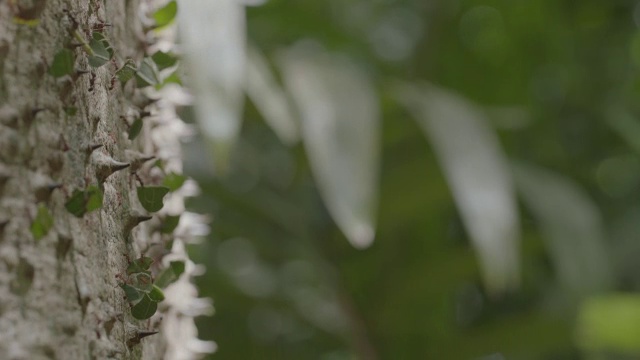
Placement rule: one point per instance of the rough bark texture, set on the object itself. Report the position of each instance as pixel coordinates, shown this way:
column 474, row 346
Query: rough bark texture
column 59, row 296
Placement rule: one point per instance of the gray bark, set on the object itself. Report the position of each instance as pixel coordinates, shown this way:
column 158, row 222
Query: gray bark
column 59, row 296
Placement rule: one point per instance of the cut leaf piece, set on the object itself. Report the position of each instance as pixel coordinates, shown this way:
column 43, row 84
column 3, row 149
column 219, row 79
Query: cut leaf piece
column 477, row 173
column 98, row 36
column 341, row 131
column 177, row 267
column 145, row 308
column 131, row 293
column 169, row 224
column 147, row 74
column 135, row 129
column 165, row 278
column 139, row 265
column 62, row 64
column 42, row 223
column 156, row 294
column 164, row 60
column 572, row 226
column 151, row 197
column 94, row 198
column 127, row 71
column 165, row 15
column 142, row 281
column 70, row 110
column 100, row 54
column 83, row 201
column 174, row 181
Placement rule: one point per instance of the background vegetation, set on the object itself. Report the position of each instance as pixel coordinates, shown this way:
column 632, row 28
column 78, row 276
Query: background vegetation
column 557, row 82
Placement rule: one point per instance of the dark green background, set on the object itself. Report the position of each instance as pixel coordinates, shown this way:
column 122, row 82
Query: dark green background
column 416, row 292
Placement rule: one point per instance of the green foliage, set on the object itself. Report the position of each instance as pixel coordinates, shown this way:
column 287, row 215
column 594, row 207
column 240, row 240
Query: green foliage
column 174, row 181
column 101, row 50
column 63, row 63
column 151, row 197
column 84, row 201
column 156, row 294
column 135, row 128
column 147, row 74
column 169, row 224
column 165, row 15
column 71, row 110
column 170, row 274
column 164, row 60
column 133, row 295
column 42, row 223
column 126, row 72
column 144, row 308
column 140, row 265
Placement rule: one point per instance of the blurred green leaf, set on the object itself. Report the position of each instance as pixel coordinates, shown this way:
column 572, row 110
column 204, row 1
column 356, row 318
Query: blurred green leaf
column 83, row 201
column 147, row 74
column 101, row 50
column 63, row 63
column 174, row 181
column 165, row 15
column 610, row 323
column 127, row 71
column 42, row 223
column 164, row 60
column 145, row 308
column 135, row 129
column 151, row 197
column 169, row 224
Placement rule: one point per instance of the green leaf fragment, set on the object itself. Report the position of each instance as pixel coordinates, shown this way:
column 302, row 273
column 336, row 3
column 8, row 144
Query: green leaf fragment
column 62, row 63
column 166, row 277
column 42, row 223
column 164, row 60
column 169, row 224
column 145, row 308
column 147, row 73
column 142, row 281
column 177, row 267
column 101, row 53
column 140, row 265
column 127, row 71
column 135, row 129
column 83, row 201
column 171, row 274
column 174, row 181
column 131, row 293
column 156, row 294
column 165, row 15
column 151, row 197
column 94, row 198
column 98, row 36
column 71, row 110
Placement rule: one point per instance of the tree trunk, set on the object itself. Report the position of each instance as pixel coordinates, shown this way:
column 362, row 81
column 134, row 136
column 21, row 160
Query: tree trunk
column 59, row 293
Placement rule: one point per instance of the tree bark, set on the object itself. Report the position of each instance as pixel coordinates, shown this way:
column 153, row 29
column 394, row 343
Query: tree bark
column 59, row 294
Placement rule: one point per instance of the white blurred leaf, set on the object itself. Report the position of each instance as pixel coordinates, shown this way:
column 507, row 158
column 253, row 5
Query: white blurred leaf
column 572, row 226
column 340, row 128
column 213, row 34
column 270, row 99
column 476, row 170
